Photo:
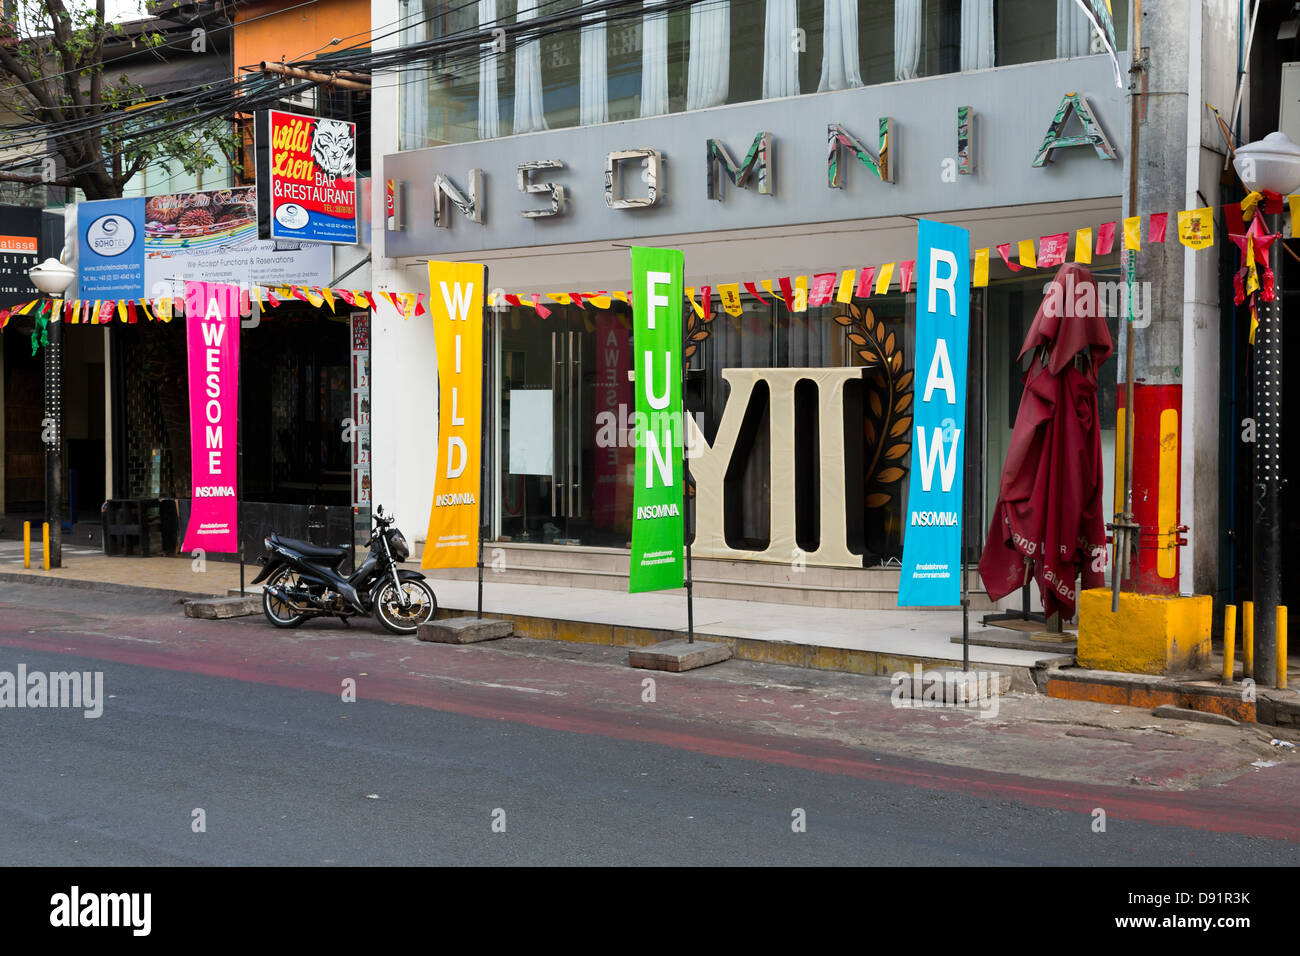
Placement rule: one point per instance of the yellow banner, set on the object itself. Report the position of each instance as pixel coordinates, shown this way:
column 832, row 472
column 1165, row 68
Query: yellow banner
column 1027, row 257
column 845, row 293
column 456, row 305
column 1196, row 228
column 980, row 273
column 730, row 296
column 1133, row 232
column 1083, row 246
column 882, row 280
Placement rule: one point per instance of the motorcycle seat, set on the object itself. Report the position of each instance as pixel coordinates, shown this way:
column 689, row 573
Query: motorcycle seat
column 308, row 550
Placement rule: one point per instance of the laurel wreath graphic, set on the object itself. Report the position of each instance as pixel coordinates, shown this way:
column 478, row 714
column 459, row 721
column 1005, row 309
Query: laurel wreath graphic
column 888, row 421
column 697, row 329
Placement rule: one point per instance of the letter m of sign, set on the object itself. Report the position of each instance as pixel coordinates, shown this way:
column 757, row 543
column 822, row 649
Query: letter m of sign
column 839, row 139
column 759, row 163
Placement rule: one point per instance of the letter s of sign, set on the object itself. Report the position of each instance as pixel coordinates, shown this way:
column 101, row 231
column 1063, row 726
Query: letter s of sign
column 524, row 172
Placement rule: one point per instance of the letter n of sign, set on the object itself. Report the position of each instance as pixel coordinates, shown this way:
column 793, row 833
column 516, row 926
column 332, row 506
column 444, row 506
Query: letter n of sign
column 445, row 191
column 839, row 139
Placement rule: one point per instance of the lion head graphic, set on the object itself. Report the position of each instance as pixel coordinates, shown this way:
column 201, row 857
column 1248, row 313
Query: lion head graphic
column 333, row 148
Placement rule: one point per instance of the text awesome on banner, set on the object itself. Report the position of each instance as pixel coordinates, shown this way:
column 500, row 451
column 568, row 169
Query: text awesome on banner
column 932, row 534
column 658, row 524
column 212, row 337
column 456, row 304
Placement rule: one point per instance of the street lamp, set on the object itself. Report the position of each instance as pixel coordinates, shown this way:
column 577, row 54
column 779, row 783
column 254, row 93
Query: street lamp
column 53, row 278
column 1268, row 165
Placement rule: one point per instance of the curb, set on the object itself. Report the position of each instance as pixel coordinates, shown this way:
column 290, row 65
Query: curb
column 108, row 587
column 1270, row 706
column 812, row 656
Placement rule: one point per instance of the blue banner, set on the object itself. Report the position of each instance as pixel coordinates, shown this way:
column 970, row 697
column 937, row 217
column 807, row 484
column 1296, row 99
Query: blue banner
column 932, row 534
column 110, row 249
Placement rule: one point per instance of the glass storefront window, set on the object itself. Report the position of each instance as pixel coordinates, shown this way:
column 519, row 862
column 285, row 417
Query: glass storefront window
column 741, row 50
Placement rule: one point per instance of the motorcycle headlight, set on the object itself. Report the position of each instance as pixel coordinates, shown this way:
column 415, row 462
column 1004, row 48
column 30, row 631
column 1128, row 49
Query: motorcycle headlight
column 266, row 542
column 398, row 546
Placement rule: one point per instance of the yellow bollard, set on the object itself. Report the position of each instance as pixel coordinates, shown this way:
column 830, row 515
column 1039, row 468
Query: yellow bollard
column 27, row 544
column 1281, row 646
column 1248, row 639
column 1229, row 642
column 45, row 544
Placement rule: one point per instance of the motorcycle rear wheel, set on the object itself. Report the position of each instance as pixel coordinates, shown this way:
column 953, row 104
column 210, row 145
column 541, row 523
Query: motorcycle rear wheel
column 280, row 613
column 399, row 620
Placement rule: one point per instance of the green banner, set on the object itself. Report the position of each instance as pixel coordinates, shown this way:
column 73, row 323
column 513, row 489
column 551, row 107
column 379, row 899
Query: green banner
column 659, row 524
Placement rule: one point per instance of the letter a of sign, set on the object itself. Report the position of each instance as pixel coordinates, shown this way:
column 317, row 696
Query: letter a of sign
column 456, row 303
column 932, row 533
column 658, row 522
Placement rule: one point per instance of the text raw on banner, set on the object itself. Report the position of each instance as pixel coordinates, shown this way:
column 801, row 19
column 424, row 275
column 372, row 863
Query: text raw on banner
column 932, row 531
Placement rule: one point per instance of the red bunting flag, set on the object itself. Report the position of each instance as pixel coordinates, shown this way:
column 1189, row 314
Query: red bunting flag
column 1052, row 250
column 905, row 270
column 1105, row 238
column 787, row 291
column 865, row 276
column 1156, row 229
column 1004, row 250
column 272, row 298
column 542, row 310
column 419, row 303
column 823, row 287
column 130, row 312
column 749, row 287
column 577, row 298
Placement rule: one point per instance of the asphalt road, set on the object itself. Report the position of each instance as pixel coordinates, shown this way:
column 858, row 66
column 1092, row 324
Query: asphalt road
column 515, row 755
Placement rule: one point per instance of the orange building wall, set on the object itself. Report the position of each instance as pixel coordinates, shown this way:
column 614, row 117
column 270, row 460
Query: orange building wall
column 298, row 33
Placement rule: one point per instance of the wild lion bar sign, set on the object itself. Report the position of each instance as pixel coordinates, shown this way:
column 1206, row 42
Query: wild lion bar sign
column 306, row 178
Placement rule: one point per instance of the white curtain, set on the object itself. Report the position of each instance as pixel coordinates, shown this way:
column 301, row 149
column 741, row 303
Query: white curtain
column 530, row 115
column 780, row 60
column 1073, row 31
column 709, row 67
column 907, row 39
column 840, row 70
column 489, row 115
column 654, row 60
column 414, row 95
column 976, row 34
column 593, row 77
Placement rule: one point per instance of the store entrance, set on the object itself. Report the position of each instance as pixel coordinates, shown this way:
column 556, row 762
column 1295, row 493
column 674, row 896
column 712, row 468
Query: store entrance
column 566, row 438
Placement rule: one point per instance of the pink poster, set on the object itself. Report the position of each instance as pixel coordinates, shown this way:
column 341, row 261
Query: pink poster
column 212, row 335
column 613, row 397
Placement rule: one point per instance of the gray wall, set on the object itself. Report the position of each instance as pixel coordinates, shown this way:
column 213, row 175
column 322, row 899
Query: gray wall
column 1014, row 106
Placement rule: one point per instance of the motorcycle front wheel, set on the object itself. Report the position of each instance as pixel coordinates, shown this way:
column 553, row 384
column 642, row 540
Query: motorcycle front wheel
column 405, row 620
column 278, row 612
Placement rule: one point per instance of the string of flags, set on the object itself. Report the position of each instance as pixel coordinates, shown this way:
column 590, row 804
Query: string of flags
column 1195, row 230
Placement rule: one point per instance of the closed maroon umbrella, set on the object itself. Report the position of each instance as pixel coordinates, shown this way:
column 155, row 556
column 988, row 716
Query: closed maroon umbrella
column 1048, row 521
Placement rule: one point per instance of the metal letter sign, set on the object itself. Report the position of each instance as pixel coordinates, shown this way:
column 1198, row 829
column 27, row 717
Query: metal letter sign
column 658, row 526
column 932, row 535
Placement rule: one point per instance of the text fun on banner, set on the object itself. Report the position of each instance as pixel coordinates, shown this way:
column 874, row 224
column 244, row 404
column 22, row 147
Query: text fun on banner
column 658, row 524
column 456, row 306
column 932, row 532
column 212, row 339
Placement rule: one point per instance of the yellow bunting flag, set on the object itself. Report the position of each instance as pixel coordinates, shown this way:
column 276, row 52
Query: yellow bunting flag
column 690, row 294
column 845, row 293
column 1027, row 258
column 561, row 298
column 730, row 296
column 121, row 310
column 980, row 273
column 1196, row 228
column 621, row 296
column 1294, row 202
column 1083, row 246
column 329, row 297
column 1133, row 232
column 601, row 301
column 800, row 294
column 1249, row 204
column 882, row 281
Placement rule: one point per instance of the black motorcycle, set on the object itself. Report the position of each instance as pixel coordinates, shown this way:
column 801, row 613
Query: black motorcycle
column 305, row 580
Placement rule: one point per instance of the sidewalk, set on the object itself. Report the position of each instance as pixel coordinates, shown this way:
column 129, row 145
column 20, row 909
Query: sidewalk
column 871, row 642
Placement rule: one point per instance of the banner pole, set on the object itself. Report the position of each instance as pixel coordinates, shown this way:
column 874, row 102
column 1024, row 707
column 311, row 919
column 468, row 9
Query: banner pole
column 686, row 506
column 965, row 514
column 484, row 367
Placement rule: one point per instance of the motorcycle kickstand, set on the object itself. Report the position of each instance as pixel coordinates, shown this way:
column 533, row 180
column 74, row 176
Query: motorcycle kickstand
column 344, row 619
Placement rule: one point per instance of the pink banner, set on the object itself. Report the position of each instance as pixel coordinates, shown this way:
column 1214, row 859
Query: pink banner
column 212, row 335
column 613, row 493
